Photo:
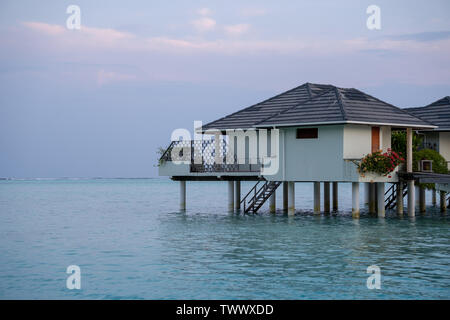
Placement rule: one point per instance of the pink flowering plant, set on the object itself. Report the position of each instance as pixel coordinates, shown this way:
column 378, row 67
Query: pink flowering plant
column 380, row 163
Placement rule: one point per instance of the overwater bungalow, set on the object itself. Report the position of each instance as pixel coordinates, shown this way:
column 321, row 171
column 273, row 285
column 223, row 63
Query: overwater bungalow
column 437, row 113
column 312, row 133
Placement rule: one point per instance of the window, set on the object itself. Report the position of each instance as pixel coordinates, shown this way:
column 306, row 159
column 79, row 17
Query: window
column 375, row 139
column 308, row 133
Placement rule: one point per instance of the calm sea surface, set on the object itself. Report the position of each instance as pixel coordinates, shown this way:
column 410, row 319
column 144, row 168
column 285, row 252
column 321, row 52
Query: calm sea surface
column 131, row 242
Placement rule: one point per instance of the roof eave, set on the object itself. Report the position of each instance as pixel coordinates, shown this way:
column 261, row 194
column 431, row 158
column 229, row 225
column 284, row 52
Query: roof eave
column 401, row 125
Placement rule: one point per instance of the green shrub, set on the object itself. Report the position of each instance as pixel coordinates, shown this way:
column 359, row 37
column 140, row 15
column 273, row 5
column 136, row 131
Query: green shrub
column 398, row 142
column 439, row 162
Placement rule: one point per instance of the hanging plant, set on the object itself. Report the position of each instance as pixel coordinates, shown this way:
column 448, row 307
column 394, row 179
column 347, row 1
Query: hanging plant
column 380, row 163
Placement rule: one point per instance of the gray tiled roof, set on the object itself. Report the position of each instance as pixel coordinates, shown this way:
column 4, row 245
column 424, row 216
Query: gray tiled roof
column 248, row 117
column 317, row 104
column 438, row 113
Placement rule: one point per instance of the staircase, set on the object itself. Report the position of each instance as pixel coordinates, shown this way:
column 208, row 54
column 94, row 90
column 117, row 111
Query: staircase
column 391, row 195
column 258, row 195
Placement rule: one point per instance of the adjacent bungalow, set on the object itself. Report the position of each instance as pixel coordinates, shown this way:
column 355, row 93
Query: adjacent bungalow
column 311, row 133
column 437, row 113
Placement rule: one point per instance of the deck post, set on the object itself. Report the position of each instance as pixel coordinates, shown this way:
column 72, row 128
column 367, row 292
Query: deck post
column 411, row 200
column 272, row 203
column 417, row 195
column 422, row 199
column 399, row 197
column 442, row 196
column 316, row 197
column 380, row 199
column 409, row 168
column 182, row 195
column 285, row 196
column 335, row 196
column 366, row 192
column 291, row 187
column 326, row 197
column 372, row 198
column 237, row 195
column 433, row 197
column 355, row 199
column 230, row 196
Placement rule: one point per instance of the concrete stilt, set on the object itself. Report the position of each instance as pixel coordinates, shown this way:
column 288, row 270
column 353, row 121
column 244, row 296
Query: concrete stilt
column 409, row 159
column 372, row 198
column 272, row 203
column 291, row 198
column 433, row 197
column 411, row 200
column 182, row 195
column 380, row 199
column 237, row 195
column 316, row 197
column 422, row 200
column 326, row 197
column 355, row 199
column 230, row 196
column 285, row 196
column 443, row 201
column 417, row 195
column 335, row 196
column 366, row 193
column 400, row 198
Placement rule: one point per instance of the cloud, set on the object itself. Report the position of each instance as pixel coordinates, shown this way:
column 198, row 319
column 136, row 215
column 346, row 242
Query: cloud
column 50, row 29
column 98, row 39
column 204, row 11
column 104, row 77
column 237, row 29
column 252, row 12
column 422, row 36
column 204, row 24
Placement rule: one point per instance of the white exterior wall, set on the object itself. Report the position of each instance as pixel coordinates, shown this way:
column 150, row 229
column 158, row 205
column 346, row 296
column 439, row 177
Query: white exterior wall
column 385, row 138
column 357, row 141
column 444, row 145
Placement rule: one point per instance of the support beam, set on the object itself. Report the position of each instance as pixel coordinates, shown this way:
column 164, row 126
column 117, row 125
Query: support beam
column 411, row 200
column 230, row 196
column 355, row 199
column 291, row 208
column 326, row 197
column 182, row 195
column 442, row 196
column 380, row 199
column 409, row 159
column 285, row 196
column 399, row 198
column 316, row 197
column 366, row 192
column 237, row 195
column 372, row 198
column 335, row 196
column 433, row 197
column 422, row 199
column 272, row 203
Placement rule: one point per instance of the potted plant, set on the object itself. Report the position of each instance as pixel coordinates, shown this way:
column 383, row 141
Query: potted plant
column 380, row 163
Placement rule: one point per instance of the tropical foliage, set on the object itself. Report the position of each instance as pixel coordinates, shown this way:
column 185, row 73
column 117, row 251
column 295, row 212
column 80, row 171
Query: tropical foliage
column 380, row 163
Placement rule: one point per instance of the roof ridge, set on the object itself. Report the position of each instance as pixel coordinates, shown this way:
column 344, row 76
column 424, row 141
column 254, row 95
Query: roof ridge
column 253, row 105
column 287, row 109
column 341, row 102
column 308, row 88
column 403, row 111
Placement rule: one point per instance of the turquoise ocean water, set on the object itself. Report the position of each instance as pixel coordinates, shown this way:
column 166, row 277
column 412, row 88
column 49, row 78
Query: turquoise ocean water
column 131, row 242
